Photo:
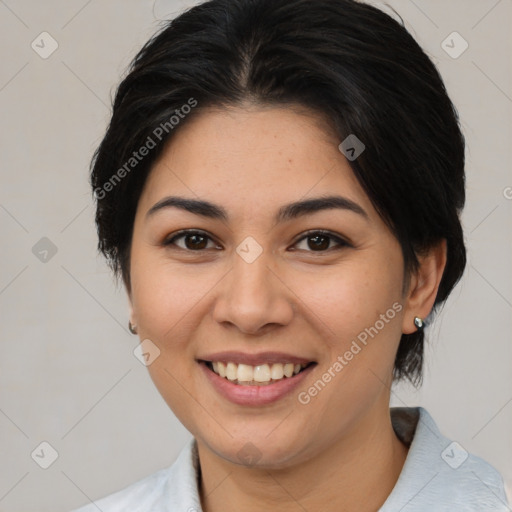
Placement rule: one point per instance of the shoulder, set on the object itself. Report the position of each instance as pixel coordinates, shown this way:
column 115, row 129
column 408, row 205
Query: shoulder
column 172, row 488
column 439, row 474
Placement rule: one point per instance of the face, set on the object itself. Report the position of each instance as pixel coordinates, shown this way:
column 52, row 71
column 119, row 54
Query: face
column 243, row 274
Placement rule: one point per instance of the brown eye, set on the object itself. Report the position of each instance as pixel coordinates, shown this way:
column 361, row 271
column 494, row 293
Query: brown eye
column 319, row 241
column 195, row 242
column 192, row 241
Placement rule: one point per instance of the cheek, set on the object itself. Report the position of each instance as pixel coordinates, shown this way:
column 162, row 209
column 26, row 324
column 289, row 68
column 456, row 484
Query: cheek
column 351, row 299
column 358, row 311
column 165, row 297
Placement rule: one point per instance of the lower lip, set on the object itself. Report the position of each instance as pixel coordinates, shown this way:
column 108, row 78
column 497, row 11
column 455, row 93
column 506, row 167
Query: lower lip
column 254, row 394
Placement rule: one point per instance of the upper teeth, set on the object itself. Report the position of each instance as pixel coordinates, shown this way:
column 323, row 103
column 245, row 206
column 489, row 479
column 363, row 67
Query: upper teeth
column 261, row 373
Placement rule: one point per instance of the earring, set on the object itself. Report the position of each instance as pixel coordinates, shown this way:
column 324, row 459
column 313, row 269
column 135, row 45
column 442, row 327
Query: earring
column 418, row 322
column 133, row 328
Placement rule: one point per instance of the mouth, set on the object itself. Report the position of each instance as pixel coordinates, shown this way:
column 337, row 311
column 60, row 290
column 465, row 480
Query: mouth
column 255, row 380
column 256, row 375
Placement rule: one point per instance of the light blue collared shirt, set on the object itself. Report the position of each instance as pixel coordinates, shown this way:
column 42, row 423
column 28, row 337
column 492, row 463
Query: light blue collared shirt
column 438, row 476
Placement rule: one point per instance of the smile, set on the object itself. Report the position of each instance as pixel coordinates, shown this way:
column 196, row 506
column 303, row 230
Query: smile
column 255, row 379
column 259, row 375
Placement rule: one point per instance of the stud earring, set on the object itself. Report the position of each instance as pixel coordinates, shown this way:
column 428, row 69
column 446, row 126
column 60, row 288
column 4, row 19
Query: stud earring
column 418, row 322
column 133, row 328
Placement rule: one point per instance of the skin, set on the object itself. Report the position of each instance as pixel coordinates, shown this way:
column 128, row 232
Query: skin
column 329, row 454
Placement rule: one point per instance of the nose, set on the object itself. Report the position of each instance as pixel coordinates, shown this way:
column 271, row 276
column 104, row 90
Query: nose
column 253, row 297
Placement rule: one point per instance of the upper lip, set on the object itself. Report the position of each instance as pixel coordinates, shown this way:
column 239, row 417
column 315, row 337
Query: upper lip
column 254, row 359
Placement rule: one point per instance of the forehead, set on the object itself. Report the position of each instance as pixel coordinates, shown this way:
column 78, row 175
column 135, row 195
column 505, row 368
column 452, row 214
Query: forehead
column 253, row 157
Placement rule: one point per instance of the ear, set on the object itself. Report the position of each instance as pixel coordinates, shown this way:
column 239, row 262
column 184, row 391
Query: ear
column 423, row 286
column 131, row 316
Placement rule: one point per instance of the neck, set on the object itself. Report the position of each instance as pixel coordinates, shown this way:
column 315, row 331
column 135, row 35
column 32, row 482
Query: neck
column 356, row 473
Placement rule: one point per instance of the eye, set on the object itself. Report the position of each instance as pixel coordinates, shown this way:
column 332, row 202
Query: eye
column 191, row 240
column 320, row 241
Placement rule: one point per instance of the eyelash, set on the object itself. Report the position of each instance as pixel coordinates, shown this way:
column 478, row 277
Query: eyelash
column 309, row 234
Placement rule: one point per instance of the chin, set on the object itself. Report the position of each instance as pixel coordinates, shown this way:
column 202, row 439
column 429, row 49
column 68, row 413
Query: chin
column 259, row 449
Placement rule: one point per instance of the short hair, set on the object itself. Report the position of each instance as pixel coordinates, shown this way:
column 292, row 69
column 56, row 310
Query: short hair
column 348, row 61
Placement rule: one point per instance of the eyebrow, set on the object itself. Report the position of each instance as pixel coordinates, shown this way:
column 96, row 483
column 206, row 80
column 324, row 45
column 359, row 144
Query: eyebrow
column 285, row 213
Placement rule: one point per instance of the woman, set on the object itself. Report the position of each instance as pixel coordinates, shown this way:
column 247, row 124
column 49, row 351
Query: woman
column 280, row 189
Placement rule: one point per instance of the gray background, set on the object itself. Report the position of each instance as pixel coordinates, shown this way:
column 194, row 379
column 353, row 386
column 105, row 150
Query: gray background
column 68, row 375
